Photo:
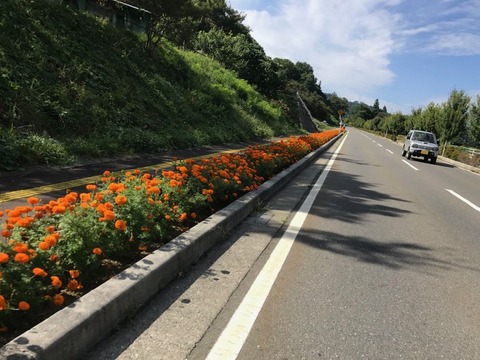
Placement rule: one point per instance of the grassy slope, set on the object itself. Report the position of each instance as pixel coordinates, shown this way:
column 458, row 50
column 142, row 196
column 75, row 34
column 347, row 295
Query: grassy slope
column 71, row 86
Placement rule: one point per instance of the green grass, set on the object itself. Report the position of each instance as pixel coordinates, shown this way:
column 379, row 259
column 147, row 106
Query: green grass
column 74, row 87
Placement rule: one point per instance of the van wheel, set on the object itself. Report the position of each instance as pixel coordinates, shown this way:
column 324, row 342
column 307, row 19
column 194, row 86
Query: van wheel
column 403, row 152
column 409, row 154
column 434, row 160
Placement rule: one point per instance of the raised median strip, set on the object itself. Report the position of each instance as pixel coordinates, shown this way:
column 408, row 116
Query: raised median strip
column 75, row 329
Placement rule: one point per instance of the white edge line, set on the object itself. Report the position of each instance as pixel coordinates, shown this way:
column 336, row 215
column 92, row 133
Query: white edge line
column 413, row 167
column 231, row 340
column 464, row 200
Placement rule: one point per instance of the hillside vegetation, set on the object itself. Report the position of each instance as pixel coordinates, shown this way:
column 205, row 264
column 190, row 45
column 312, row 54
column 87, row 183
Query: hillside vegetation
column 72, row 86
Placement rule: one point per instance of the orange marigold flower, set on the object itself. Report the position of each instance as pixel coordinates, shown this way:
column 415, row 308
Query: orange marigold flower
column 20, row 248
column 59, row 209
column 53, row 257
column 44, row 246
column 1, row 213
column 58, row 300
column 50, row 229
column 56, row 282
column 120, row 225
column 97, row 251
column 3, row 258
column 109, row 215
column 168, row 217
column 3, row 303
column 51, row 239
column 73, row 285
column 23, row 305
column 193, row 215
column 22, row 258
column 25, row 222
column 121, row 200
column 182, row 217
column 142, row 247
column 153, row 189
column 74, row 274
column 85, row 197
column 6, row 233
column 182, row 169
column 91, row 187
column 39, row 272
column 33, row 200
column 106, row 173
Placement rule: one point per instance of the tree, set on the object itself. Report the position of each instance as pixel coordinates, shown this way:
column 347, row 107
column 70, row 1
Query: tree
column 455, row 110
column 364, row 112
column 473, row 123
column 393, row 124
column 166, row 17
column 338, row 104
column 241, row 54
column 429, row 117
column 217, row 14
column 376, row 107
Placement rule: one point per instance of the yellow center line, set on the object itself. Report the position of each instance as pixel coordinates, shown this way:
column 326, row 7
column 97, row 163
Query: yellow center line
column 20, row 194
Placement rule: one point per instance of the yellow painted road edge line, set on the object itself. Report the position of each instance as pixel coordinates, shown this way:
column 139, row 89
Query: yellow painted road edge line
column 20, row 194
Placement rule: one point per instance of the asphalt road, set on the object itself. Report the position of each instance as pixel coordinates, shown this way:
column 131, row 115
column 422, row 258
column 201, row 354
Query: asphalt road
column 385, row 266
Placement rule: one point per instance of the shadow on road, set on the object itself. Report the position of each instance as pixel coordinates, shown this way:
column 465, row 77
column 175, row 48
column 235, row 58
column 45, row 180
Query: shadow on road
column 351, row 200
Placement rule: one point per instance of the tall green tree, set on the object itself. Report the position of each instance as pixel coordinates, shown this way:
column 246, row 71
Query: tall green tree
column 376, row 107
column 429, row 117
column 473, row 123
column 455, row 110
column 217, row 14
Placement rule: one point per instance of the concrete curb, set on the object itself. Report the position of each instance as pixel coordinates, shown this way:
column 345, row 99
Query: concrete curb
column 460, row 164
column 75, row 329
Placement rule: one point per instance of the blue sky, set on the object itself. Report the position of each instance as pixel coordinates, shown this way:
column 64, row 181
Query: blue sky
column 406, row 53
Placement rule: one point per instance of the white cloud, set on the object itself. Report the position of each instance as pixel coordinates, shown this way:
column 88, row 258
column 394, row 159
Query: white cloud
column 348, row 43
column 457, row 44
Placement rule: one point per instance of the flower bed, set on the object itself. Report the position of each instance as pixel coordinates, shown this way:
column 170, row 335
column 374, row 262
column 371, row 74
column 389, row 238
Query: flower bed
column 55, row 252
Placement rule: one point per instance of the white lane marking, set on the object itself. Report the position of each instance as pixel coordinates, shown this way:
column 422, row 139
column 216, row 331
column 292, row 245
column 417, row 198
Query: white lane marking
column 380, row 145
column 231, row 341
column 374, row 141
column 390, row 151
column 413, row 167
column 464, row 200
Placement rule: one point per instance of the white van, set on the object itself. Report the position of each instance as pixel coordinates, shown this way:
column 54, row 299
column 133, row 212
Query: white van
column 421, row 144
